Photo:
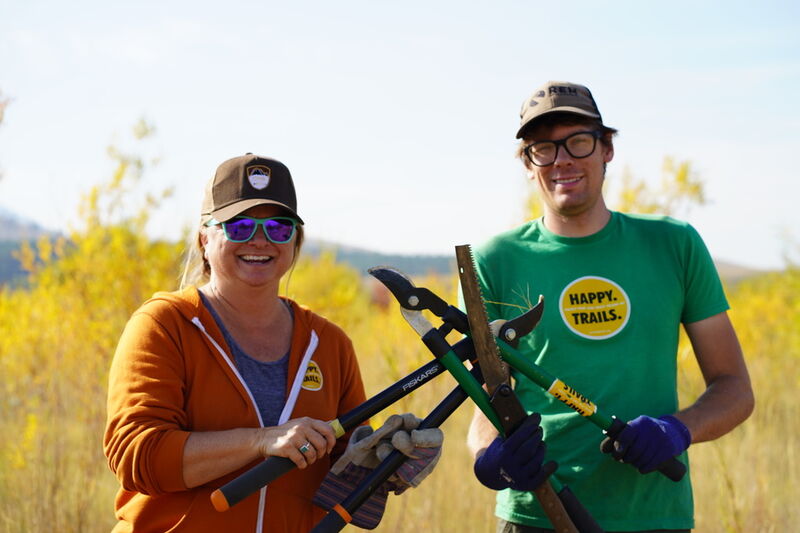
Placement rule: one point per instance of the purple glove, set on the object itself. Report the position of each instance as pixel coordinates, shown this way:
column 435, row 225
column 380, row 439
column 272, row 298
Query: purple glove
column 516, row 462
column 648, row 442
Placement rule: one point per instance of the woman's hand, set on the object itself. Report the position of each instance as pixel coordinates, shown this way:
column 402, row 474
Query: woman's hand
column 211, row 454
column 303, row 440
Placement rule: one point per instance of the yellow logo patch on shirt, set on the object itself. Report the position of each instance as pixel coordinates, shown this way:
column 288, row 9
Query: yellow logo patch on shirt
column 313, row 378
column 594, row 307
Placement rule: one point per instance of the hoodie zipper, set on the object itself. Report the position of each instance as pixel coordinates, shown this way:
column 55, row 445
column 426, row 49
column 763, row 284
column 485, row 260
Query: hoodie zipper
column 287, row 408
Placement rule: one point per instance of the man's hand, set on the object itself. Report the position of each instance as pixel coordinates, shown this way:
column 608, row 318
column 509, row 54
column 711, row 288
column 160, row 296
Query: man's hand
column 516, row 462
column 648, row 442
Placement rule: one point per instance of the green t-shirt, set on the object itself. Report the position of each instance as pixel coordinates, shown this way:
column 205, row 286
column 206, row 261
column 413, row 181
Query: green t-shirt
column 614, row 302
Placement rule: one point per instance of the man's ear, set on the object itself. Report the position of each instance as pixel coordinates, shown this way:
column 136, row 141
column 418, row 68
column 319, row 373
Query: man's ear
column 530, row 171
column 608, row 152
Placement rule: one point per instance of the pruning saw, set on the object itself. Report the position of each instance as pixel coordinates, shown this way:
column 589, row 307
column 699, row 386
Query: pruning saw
column 502, row 398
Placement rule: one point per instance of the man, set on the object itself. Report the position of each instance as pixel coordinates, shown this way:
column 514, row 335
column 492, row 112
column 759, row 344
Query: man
column 617, row 287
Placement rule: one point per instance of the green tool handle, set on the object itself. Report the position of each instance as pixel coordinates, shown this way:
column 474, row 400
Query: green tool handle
column 672, row 468
column 439, row 346
column 560, row 390
column 552, row 491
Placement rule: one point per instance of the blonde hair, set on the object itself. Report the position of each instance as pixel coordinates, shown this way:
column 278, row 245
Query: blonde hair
column 197, row 270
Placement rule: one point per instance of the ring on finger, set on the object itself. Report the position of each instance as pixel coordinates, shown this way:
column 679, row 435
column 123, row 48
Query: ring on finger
column 304, row 448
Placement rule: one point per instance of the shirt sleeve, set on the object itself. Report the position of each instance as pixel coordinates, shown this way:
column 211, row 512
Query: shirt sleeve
column 144, row 436
column 705, row 296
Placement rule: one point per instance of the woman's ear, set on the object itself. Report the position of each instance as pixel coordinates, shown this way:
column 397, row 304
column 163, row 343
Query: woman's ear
column 202, row 240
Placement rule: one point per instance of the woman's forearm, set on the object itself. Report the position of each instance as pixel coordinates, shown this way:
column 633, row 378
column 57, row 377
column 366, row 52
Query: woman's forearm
column 213, row 454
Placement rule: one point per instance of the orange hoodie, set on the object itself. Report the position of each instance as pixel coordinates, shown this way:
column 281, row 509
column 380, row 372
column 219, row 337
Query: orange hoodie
column 168, row 378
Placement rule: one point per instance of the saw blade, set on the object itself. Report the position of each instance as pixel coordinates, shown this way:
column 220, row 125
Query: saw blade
column 495, row 372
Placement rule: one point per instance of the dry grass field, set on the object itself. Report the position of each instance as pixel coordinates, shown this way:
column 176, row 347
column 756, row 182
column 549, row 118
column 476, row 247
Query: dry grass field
column 57, row 335
column 55, row 345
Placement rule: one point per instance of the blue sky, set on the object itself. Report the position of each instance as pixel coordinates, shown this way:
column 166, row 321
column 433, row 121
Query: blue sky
column 397, row 120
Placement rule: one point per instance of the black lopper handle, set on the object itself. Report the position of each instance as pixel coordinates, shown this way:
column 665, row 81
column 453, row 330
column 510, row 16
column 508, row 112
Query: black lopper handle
column 338, row 517
column 579, row 515
column 249, row 482
column 274, row 467
column 672, row 468
column 341, row 515
column 332, row 523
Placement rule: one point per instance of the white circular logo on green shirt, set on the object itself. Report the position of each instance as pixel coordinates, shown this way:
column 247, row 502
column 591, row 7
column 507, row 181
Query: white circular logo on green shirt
column 594, row 307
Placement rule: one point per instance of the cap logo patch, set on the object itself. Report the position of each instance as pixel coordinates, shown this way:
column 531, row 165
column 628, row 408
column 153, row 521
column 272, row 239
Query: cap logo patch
column 312, row 380
column 533, row 101
column 258, row 176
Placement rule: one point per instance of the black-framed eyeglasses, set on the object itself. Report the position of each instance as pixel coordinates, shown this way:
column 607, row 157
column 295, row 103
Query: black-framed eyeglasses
column 578, row 145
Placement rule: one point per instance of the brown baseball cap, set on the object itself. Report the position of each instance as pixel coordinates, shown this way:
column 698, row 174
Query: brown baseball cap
column 554, row 97
column 247, row 181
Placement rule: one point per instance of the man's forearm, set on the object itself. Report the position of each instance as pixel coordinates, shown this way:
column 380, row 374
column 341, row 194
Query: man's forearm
column 725, row 404
column 728, row 398
column 481, row 433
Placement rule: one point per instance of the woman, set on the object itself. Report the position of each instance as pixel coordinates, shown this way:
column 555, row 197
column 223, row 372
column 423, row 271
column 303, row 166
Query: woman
column 207, row 382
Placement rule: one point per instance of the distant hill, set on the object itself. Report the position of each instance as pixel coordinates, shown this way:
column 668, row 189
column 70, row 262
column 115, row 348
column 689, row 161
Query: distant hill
column 362, row 260
column 9, row 267
column 15, row 229
column 732, row 273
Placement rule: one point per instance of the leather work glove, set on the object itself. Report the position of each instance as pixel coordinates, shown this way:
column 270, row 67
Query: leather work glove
column 366, row 450
column 648, row 442
column 423, row 447
column 516, row 461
